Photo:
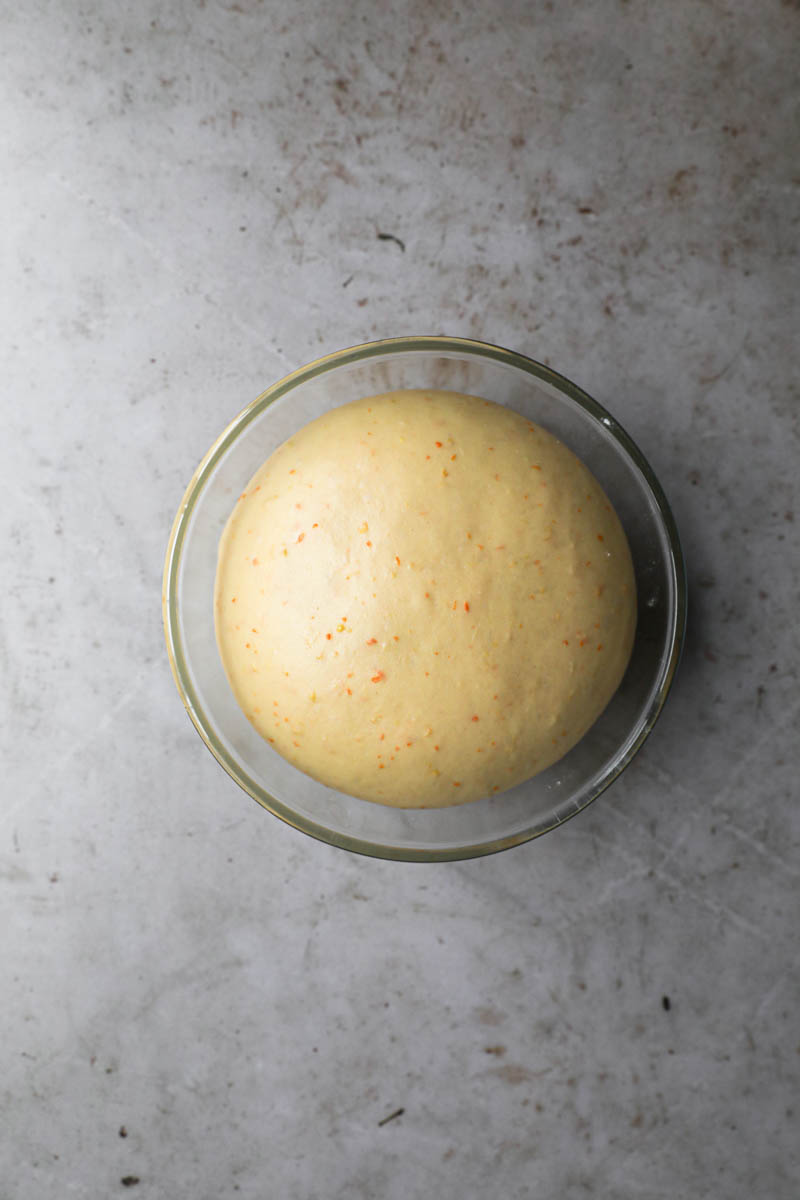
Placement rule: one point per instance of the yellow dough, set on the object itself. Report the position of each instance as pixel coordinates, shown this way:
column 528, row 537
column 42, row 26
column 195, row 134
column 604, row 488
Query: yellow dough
column 422, row 598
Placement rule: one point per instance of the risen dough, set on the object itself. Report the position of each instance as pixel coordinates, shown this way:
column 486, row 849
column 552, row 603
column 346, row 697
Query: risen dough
column 422, row 598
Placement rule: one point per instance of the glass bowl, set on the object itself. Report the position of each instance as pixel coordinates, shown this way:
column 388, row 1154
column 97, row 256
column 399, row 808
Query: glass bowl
column 483, row 826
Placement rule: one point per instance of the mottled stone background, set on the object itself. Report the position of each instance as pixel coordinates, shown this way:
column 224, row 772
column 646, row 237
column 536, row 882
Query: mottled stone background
column 196, row 1001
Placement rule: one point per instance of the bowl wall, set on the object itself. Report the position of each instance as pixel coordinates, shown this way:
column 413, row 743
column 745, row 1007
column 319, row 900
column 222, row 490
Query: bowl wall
column 482, row 826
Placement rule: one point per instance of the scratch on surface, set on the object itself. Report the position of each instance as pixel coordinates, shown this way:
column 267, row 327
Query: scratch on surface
column 716, row 907
column 773, row 731
column 638, row 871
column 98, row 729
column 768, row 997
column 770, row 855
column 706, row 381
column 118, row 222
column 639, row 867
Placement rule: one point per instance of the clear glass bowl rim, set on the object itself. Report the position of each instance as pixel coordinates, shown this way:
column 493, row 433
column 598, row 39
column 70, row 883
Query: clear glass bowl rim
column 172, row 564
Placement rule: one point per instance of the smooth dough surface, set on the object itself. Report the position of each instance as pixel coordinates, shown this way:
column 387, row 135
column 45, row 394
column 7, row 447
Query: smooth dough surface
column 423, row 598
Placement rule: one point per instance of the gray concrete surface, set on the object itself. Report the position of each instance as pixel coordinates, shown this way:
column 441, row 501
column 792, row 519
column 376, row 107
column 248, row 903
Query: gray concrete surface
column 197, row 1001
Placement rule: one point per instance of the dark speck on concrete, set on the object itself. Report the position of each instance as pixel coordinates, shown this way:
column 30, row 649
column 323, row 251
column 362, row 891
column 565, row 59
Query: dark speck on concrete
column 513, row 1074
column 391, row 237
column 129, row 1180
column 665, row 1003
column 123, row 1133
column 398, row 1112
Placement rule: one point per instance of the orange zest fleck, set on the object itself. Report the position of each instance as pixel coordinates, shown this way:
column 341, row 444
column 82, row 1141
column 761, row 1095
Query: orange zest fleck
column 372, row 641
column 438, row 445
column 369, row 543
column 476, row 717
column 300, row 537
column 600, row 537
column 379, row 677
column 328, row 636
column 466, row 606
column 397, row 560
